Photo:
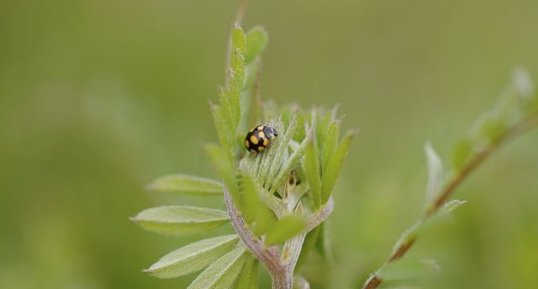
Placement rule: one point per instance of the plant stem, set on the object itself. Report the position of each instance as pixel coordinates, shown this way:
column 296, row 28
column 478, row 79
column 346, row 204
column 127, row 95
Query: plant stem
column 268, row 256
column 282, row 281
column 374, row 280
column 281, row 270
column 241, row 11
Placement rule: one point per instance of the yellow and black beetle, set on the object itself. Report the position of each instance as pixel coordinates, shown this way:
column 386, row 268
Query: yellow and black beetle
column 259, row 138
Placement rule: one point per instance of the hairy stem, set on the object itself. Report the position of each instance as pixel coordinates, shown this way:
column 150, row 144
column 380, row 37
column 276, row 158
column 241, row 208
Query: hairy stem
column 267, row 256
column 280, row 266
column 282, row 280
column 374, row 280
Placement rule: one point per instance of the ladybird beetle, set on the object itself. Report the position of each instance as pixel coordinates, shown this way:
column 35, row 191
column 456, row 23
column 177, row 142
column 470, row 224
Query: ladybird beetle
column 259, row 138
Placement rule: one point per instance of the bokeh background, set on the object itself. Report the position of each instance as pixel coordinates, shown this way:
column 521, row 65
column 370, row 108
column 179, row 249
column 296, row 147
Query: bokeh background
column 97, row 98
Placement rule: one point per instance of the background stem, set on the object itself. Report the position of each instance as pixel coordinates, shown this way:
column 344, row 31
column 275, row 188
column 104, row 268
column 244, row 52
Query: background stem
column 374, row 280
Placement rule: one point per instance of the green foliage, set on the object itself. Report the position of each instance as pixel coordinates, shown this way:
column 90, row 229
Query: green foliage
column 313, row 171
column 248, row 278
column 435, row 173
column 515, row 107
column 193, row 257
column 222, row 273
column 257, row 39
column 180, row 220
column 185, row 184
column 279, row 194
column 510, row 116
column 463, row 151
column 291, row 163
column 333, row 165
column 408, row 270
column 285, row 228
column 227, row 114
column 224, row 168
column 256, row 213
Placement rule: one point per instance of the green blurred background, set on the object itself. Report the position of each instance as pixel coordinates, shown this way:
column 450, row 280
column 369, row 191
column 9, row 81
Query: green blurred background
column 97, row 98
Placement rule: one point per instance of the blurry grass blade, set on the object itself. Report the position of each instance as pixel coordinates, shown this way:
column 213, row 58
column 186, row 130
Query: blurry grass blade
column 192, row 257
column 223, row 272
column 186, row 184
column 223, row 165
column 439, row 216
column 462, row 154
column 435, row 173
column 284, row 229
column 334, row 165
column 490, row 127
column 257, row 39
column 523, row 83
column 248, row 278
column 180, row 220
column 407, row 269
column 312, row 171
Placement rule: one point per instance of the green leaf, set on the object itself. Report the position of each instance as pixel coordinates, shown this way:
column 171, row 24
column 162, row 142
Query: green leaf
column 441, row 214
column 249, row 107
column 291, row 163
column 223, row 165
column 411, row 233
column 186, row 184
column 248, row 278
column 435, row 173
column 279, row 154
column 272, row 159
column 462, row 154
column 312, row 170
column 284, row 229
column 257, row 39
column 193, row 257
column 223, row 128
column 180, row 220
column 250, row 203
column 323, row 120
column 223, row 272
column 334, row 165
column 490, row 127
column 253, row 209
column 330, row 143
column 236, row 76
column 407, row 269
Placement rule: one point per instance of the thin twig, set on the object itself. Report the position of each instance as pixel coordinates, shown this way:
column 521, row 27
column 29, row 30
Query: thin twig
column 241, row 11
column 374, row 280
